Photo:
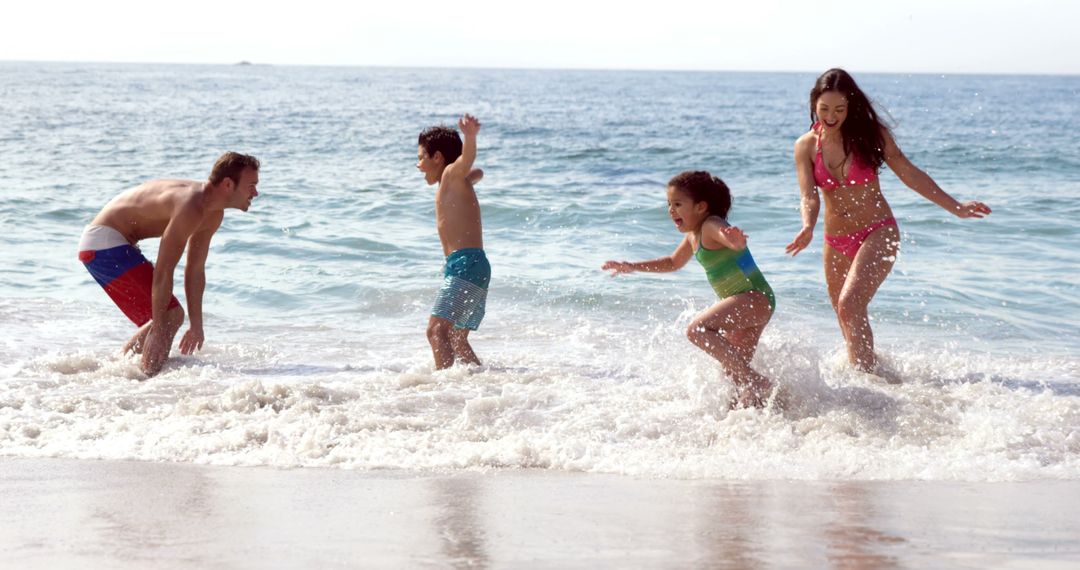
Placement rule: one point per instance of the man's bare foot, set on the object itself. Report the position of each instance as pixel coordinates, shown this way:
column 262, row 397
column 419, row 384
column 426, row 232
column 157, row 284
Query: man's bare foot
column 134, row 345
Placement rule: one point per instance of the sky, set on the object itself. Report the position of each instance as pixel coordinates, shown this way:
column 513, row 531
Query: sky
column 910, row 36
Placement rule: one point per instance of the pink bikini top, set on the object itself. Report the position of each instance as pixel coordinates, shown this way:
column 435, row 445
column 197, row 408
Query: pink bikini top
column 858, row 173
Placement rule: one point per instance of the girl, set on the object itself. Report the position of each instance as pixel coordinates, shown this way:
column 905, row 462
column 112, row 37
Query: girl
column 698, row 203
column 841, row 154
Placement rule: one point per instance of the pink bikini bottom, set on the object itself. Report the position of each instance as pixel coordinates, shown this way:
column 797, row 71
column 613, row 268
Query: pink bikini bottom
column 849, row 244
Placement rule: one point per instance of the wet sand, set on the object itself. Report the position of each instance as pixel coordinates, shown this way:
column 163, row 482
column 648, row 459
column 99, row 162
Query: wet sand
column 60, row 513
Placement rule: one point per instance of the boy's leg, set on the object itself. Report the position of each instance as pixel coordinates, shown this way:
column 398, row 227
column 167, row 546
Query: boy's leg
column 463, row 351
column 438, row 335
column 159, row 341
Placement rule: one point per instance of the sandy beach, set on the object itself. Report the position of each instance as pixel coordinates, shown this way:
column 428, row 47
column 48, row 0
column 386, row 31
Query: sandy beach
column 61, row 513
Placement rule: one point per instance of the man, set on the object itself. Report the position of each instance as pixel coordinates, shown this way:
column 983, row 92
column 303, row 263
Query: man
column 183, row 213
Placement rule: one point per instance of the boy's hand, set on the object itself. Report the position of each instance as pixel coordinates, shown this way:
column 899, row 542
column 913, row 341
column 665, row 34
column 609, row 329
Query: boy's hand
column 469, row 125
column 733, row 237
column 617, row 267
column 475, row 176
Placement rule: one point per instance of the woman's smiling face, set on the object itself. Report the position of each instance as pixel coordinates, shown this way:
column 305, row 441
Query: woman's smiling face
column 831, row 109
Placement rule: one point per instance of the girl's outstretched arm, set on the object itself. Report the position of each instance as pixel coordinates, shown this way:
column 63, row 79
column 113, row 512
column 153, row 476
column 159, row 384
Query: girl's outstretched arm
column 673, row 262
column 921, row 182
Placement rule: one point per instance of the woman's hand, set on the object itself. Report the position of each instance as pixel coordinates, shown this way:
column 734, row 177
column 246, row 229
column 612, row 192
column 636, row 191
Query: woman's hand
column 802, row 239
column 972, row 209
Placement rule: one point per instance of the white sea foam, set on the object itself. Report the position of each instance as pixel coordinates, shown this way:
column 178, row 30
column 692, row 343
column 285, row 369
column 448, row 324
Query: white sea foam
column 953, row 418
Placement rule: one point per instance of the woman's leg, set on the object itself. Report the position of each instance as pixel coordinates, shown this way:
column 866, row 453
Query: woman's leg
column 853, row 284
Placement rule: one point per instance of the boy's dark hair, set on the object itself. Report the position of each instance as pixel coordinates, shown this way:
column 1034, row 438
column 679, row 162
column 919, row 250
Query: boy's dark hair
column 230, row 165
column 441, row 139
column 704, row 187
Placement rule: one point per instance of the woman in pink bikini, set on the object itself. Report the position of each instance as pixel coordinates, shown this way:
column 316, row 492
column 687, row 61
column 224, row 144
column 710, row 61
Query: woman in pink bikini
column 841, row 154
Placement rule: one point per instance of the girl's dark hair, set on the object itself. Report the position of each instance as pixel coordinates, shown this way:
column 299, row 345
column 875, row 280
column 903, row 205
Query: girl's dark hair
column 704, row 187
column 862, row 129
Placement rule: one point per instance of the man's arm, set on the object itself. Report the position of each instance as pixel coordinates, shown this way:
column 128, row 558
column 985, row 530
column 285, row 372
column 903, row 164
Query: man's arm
column 195, row 284
column 172, row 244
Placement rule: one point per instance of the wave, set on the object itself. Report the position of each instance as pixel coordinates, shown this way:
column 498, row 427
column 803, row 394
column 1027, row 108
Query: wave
column 1001, row 419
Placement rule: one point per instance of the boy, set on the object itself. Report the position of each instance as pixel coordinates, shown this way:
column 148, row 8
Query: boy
column 459, row 306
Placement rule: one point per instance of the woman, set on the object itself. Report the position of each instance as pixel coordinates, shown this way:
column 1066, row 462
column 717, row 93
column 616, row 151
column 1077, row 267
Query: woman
column 841, row 154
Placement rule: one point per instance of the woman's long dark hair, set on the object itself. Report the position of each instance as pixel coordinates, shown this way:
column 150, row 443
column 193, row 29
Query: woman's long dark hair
column 862, row 129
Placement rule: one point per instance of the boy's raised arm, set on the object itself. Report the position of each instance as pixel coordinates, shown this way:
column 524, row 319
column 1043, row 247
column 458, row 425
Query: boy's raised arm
column 469, row 126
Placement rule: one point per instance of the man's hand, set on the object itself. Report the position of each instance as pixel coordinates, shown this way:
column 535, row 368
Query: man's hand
column 192, row 341
column 469, row 125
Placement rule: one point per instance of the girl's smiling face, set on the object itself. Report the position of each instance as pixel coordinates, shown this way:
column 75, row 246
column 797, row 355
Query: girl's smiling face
column 687, row 214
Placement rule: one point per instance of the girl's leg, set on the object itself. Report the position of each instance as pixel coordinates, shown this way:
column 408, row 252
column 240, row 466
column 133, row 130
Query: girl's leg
column 729, row 331
column 864, row 276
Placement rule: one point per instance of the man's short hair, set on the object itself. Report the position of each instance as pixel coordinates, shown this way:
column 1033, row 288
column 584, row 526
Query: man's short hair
column 230, row 165
column 441, row 139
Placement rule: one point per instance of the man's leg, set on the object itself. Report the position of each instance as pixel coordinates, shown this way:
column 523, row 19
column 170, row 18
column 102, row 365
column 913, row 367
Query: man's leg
column 159, row 339
column 138, row 340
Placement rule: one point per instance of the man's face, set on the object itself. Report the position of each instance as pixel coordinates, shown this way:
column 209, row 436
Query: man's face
column 430, row 166
column 246, row 190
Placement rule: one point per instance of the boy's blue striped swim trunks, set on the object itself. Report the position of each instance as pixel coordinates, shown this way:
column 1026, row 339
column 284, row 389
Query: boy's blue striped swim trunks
column 463, row 295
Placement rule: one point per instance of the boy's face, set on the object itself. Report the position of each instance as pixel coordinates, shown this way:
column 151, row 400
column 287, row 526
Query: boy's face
column 431, row 166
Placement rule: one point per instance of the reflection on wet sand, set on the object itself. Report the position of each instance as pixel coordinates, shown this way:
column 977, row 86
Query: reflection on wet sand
column 853, row 542
column 458, row 525
column 87, row 514
column 146, row 510
column 729, row 529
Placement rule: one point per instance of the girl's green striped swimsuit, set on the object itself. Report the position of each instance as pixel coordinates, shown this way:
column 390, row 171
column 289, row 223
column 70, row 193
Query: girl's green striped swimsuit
column 732, row 272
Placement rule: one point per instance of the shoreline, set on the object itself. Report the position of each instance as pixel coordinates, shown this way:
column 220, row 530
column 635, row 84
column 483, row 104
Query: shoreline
column 70, row 513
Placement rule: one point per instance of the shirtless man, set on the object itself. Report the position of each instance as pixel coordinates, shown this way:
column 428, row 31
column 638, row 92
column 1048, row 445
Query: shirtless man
column 459, row 306
column 182, row 213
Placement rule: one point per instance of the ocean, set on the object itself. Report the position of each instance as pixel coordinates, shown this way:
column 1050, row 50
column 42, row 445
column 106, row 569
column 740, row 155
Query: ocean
column 317, row 299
